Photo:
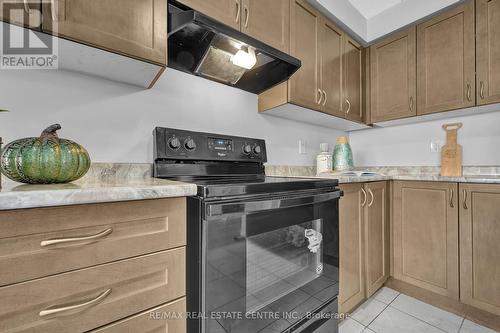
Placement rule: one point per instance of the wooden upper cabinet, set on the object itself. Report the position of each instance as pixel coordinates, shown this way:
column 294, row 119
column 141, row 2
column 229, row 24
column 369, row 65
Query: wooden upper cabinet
column 352, row 78
column 393, row 85
column 23, row 13
column 136, row 28
column 267, row 21
column 224, row 11
column 480, row 246
column 305, row 24
column 376, row 241
column 352, row 252
column 446, row 61
column 488, row 51
column 331, row 68
column 425, row 236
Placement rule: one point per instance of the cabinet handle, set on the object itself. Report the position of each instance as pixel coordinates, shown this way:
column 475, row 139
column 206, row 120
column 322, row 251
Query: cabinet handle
column 247, row 16
column 411, row 103
column 326, row 98
column 451, row 198
column 238, row 10
column 348, row 105
column 27, row 8
column 77, row 240
column 365, row 197
column 465, row 200
column 481, row 90
column 320, row 97
column 53, row 10
column 74, row 307
column 469, row 98
column 372, row 198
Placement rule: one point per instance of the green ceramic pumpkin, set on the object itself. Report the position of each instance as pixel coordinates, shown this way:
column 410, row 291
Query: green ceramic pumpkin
column 44, row 160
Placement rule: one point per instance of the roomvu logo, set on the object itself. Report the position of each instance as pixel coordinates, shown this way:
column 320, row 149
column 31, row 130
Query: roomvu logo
column 23, row 46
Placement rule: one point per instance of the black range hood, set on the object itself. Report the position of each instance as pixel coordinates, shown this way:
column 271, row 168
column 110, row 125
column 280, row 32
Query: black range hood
column 199, row 45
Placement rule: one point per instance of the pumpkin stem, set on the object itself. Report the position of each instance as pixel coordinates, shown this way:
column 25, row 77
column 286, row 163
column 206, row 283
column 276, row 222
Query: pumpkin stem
column 51, row 131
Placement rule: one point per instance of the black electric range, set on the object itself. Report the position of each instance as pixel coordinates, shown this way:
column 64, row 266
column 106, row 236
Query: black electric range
column 263, row 252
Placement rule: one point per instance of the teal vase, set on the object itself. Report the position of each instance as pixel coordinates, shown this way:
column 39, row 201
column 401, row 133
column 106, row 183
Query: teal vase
column 342, row 155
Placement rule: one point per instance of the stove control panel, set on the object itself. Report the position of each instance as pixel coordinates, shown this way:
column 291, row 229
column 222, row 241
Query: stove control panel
column 176, row 144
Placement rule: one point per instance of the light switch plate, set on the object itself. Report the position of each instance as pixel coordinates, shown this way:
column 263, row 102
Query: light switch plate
column 302, row 147
column 436, row 146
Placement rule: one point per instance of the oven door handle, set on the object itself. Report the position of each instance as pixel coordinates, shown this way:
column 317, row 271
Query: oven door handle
column 263, row 205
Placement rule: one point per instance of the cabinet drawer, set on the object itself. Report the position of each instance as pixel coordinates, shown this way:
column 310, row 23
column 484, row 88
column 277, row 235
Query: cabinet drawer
column 152, row 321
column 42, row 242
column 86, row 299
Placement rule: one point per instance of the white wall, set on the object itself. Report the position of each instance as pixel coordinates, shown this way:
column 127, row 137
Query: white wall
column 115, row 121
column 401, row 15
column 410, row 144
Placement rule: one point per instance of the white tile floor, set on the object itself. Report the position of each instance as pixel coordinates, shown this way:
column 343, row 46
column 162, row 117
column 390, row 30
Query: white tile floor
column 388, row 311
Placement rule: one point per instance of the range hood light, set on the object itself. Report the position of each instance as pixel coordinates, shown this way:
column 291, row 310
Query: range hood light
column 245, row 59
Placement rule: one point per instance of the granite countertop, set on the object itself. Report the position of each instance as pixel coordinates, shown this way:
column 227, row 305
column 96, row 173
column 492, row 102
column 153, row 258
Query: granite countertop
column 99, row 185
column 482, row 175
column 483, row 179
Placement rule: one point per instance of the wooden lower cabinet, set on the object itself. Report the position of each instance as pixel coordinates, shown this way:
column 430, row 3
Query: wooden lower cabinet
column 352, row 270
column 376, row 240
column 152, row 321
column 480, row 246
column 363, row 242
column 82, row 267
column 425, row 235
column 86, row 299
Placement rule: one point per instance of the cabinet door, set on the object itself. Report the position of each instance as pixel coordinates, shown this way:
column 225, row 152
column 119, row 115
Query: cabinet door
column 137, row 28
column 351, row 214
column 446, row 61
column 376, row 244
column 488, row 51
column 480, row 246
column 225, row 11
column 24, row 13
column 353, row 79
column 331, row 68
column 304, row 85
column 425, row 235
column 268, row 21
column 394, row 77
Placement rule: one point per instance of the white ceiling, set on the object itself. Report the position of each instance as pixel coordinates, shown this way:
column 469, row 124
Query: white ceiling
column 371, row 8
column 369, row 20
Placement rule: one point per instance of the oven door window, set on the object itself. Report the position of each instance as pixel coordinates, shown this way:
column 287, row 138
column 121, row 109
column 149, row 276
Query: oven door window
column 281, row 261
column 269, row 268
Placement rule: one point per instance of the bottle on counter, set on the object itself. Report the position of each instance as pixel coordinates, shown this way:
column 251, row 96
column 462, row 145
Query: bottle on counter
column 324, row 159
column 342, row 155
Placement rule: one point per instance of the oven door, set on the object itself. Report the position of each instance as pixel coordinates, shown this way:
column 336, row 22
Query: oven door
column 269, row 264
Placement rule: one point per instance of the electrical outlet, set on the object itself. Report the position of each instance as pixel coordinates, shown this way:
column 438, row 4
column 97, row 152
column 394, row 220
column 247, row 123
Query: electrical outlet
column 436, row 146
column 302, row 147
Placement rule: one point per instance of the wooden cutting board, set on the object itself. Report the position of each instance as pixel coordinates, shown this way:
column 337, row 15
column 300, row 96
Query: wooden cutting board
column 451, row 153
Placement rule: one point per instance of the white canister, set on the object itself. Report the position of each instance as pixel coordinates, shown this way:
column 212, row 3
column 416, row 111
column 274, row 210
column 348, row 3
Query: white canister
column 324, row 159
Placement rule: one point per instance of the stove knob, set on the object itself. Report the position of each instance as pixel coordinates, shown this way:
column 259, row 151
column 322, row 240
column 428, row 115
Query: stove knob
column 190, row 144
column 257, row 150
column 247, row 149
column 174, row 143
